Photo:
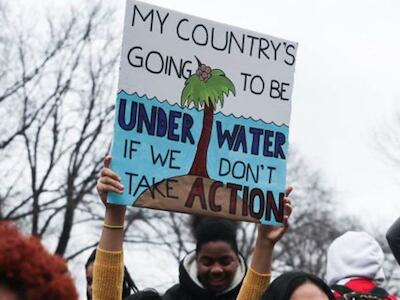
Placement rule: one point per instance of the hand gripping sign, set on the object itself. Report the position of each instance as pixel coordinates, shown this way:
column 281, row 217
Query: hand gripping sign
column 202, row 116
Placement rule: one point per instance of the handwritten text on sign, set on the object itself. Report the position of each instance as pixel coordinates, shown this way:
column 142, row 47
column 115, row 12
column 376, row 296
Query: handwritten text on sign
column 202, row 116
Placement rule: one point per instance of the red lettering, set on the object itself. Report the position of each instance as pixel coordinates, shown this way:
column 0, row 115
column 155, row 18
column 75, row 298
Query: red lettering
column 197, row 190
column 211, row 196
column 253, row 194
column 271, row 206
column 232, row 201
column 245, row 207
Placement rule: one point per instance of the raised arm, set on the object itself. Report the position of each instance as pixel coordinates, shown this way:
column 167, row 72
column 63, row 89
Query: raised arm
column 259, row 274
column 112, row 234
column 109, row 264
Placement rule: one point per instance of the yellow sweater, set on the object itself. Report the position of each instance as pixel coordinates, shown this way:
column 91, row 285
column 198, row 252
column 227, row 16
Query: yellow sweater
column 108, row 275
column 254, row 285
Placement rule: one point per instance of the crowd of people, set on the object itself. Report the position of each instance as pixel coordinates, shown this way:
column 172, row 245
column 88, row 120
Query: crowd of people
column 214, row 270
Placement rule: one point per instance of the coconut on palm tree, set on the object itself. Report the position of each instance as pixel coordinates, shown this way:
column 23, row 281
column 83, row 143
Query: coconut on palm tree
column 205, row 89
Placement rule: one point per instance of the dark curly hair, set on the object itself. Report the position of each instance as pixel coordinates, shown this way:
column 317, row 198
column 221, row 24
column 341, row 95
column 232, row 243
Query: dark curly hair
column 30, row 270
column 207, row 229
column 284, row 285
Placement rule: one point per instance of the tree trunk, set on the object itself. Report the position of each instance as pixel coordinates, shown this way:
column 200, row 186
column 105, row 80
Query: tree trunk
column 199, row 166
column 66, row 230
column 68, row 217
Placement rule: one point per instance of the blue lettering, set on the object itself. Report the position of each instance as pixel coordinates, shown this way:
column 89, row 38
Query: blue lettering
column 226, row 135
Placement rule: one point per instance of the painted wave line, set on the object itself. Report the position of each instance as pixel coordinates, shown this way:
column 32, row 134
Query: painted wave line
column 165, row 101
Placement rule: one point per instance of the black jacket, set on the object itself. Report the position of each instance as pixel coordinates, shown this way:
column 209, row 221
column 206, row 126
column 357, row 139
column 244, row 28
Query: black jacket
column 188, row 289
column 393, row 238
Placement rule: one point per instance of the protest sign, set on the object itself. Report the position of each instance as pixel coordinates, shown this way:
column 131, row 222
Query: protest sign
column 202, row 116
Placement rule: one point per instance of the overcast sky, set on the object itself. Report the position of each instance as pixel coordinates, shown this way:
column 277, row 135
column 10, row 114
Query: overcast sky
column 346, row 87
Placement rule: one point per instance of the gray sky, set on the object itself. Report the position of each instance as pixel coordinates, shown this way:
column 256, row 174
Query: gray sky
column 346, row 87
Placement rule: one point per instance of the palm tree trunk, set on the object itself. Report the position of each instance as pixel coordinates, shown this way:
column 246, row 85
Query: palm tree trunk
column 199, row 166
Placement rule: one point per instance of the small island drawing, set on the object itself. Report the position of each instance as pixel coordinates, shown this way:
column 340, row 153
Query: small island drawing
column 196, row 192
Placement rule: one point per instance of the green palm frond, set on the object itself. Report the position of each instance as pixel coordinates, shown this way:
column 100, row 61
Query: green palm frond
column 210, row 92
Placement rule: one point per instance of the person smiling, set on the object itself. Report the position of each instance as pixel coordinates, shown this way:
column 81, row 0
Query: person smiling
column 215, row 270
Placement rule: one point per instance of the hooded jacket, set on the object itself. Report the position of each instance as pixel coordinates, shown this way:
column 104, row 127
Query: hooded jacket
column 356, row 259
column 190, row 288
column 354, row 254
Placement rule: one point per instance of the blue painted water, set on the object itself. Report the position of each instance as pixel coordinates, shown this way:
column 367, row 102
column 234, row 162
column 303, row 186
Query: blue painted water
column 228, row 166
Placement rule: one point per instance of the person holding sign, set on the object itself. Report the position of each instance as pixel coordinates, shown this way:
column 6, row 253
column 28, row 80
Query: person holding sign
column 216, row 268
column 214, row 271
column 198, row 131
column 108, row 266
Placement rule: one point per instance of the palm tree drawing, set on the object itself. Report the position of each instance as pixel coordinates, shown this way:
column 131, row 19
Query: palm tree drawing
column 205, row 89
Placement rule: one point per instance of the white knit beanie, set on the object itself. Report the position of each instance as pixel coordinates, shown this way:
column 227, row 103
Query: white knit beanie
column 354, row 254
